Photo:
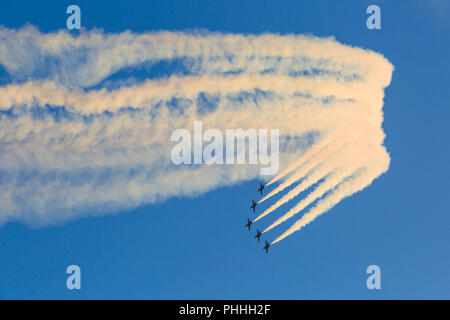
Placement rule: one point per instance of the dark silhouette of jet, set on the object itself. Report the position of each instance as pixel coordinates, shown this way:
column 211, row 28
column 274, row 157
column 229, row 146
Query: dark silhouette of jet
column 249, row 223
column 266, row 247
column 258, row 234
column 253, row 206
column 261, row 188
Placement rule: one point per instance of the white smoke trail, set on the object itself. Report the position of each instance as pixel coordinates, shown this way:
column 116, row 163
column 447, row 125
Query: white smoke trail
column 317, row 174
column 330, row 182
column 315, row 160
column 310, row 153
column 363, row 178
column 92, row 56
column 70, row 147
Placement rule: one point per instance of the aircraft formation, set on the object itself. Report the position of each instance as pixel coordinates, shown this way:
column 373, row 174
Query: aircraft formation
column 249, row 222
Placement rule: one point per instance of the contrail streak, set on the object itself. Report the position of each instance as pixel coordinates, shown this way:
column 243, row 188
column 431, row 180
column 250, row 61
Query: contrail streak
column 317, row 174
column 356, row 183
column 78, row 138
column 310, row 163
column 330, row 182
column 311, row 152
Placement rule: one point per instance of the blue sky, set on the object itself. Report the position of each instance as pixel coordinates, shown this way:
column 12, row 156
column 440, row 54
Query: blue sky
column 197, row 248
